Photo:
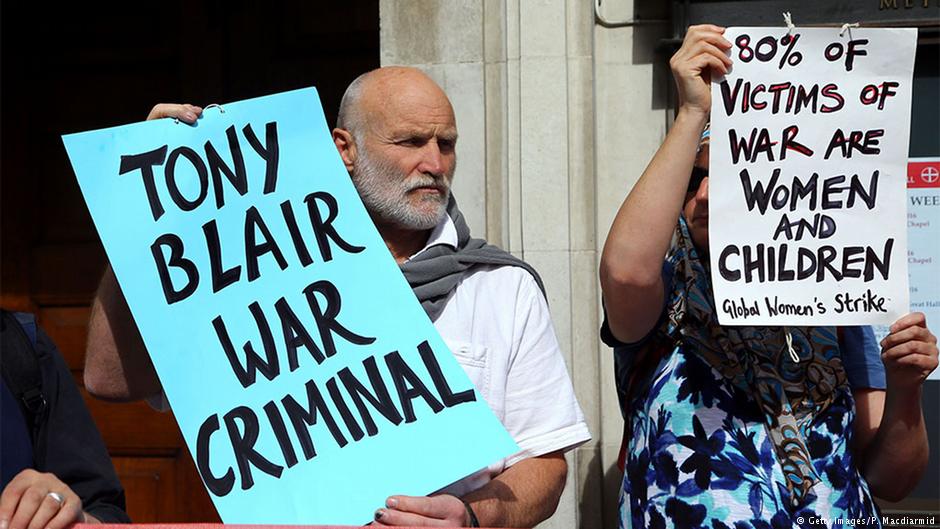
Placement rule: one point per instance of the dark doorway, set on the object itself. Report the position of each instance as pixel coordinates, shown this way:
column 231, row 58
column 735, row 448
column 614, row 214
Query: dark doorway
column 78, row 66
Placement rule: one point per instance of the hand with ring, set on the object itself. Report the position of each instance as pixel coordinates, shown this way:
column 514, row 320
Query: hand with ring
column 35, row 500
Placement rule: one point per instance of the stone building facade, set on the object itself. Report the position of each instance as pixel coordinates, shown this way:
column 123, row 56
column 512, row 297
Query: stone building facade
column 558, row 116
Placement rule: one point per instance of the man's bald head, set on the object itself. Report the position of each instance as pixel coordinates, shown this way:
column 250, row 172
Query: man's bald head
column 382, row 93
column 397, row 134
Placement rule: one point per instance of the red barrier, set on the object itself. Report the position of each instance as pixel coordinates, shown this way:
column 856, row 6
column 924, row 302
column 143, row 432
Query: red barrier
column 217, row 526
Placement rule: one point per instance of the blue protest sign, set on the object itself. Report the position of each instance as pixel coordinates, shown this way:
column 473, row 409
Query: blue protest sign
column 305, row 377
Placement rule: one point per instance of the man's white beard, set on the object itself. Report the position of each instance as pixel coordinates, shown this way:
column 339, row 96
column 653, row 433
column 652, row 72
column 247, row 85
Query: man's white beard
column 384, row 191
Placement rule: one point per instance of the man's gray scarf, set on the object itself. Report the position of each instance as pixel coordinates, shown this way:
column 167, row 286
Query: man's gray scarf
column 435, row 273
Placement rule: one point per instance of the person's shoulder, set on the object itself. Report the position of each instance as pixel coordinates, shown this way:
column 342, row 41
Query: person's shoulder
column 506, row 285
column 501, row 276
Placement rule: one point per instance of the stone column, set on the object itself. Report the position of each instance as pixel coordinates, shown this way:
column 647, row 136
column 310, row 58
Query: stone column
column 631, row 94
column 520, row 76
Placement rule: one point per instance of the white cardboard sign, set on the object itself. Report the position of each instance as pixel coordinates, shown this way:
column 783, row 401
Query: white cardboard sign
column 808, row 174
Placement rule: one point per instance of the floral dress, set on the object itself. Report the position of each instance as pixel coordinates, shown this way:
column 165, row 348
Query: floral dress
column 725, row 431
column 699, row 456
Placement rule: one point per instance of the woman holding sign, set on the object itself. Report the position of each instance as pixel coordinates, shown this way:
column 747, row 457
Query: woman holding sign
column 763, row 426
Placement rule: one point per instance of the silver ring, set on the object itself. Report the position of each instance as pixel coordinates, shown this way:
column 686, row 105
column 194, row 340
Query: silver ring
column 56, row 497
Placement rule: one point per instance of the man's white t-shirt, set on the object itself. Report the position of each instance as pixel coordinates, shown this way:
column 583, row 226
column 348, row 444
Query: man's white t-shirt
column 497, row 324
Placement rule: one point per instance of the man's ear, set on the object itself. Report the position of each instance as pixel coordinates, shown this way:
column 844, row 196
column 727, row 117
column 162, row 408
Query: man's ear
column 346, row 146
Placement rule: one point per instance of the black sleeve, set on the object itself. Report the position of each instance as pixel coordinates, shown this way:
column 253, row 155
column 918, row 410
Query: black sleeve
column 70, row 446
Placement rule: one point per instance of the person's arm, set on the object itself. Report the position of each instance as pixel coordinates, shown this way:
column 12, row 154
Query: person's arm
column 890, row 435
column 540, row 412
column 632, row 260
column 117, row 365
column 523, row 496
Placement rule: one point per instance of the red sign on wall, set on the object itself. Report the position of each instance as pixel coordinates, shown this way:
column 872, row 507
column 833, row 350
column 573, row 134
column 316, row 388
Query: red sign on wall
column 923, row 174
